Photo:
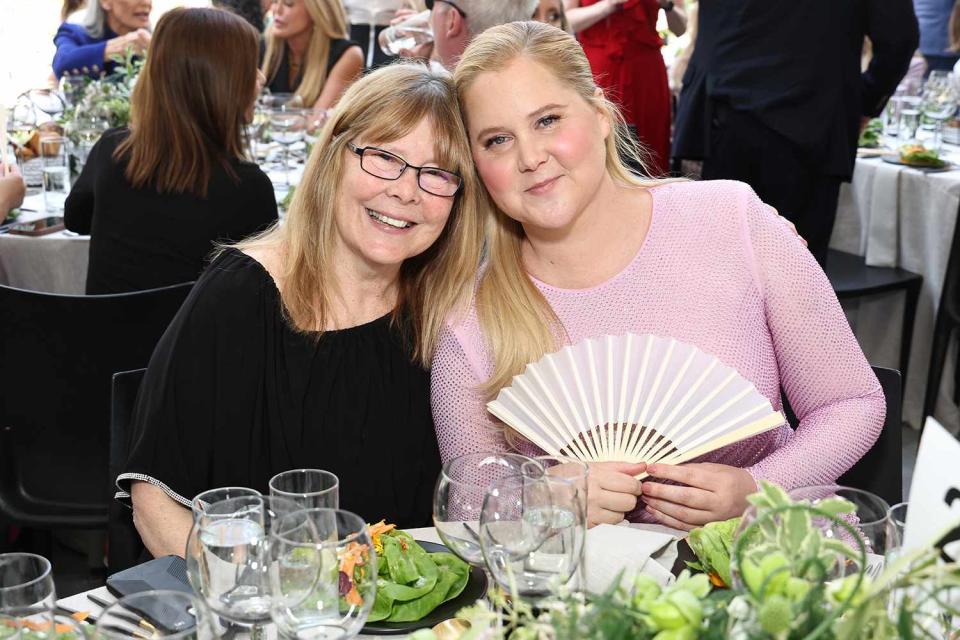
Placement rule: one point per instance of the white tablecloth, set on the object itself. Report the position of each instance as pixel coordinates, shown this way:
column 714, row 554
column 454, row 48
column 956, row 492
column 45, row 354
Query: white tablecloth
column 897, row 216
column 54, row 263
column 57, row 263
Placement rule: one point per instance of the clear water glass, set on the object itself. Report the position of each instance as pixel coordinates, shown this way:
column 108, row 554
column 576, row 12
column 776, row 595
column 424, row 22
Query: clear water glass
column 910, row 109
column 324, row 575
column 532, row 533
column 308, row 488
column 459, row 494
column 206, row 498
column 27, row 593
column 228, row 557
column 173, row 615
column 287, row 127
column 56, row 172
column 410, row 33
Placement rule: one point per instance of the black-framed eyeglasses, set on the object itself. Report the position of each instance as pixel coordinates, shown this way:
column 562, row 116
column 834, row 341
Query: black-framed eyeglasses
column 390, row 166
column 429, row 4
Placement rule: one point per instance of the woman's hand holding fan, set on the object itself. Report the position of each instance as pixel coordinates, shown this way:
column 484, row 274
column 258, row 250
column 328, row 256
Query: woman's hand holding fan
column 707, row 492
column 641, row 399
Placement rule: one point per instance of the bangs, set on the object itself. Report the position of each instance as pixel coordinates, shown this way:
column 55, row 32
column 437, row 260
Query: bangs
column 405, row 112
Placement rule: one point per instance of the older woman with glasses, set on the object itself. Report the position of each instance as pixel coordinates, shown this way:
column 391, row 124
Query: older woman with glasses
column 308, row 345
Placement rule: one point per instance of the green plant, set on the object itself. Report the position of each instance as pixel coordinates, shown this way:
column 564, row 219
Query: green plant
column 788, row 570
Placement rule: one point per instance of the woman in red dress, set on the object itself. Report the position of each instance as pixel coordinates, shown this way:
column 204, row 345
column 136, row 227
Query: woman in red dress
column 622, row 44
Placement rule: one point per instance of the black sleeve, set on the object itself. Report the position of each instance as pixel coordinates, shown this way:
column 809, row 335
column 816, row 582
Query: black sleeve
column 200, row 386
column 263, row 200
column 892, row 28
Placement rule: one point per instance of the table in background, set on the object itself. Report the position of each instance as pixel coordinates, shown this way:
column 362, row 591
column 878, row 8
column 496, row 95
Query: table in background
column 898, row 216
column 57, row 262
column 54, row 263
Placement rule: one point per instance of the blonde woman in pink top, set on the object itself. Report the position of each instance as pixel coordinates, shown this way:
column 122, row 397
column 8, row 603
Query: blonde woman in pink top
column 579, row 247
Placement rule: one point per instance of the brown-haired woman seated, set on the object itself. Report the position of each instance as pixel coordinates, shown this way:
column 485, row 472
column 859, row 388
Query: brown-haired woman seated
column 307, row 52
column 308, row 345
column 157, row 196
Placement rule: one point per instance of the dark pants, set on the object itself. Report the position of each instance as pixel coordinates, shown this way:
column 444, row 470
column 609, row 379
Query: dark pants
column 742, row 148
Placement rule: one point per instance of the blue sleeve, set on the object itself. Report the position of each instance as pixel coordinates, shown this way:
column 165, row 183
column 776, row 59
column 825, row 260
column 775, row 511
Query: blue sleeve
column 77, row 53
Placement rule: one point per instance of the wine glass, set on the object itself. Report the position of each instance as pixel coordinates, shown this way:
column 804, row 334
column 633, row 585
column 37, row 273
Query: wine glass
column 173, row 615
column 458, row 499
column 27, row 593
column 865, row 532
column 286, row 128
column 228, row 558
column 939, row 104
column 308, row 488
column 281, row 101
column 324, row 575
column 21, row 123
column 532, row 532
column 49, row 101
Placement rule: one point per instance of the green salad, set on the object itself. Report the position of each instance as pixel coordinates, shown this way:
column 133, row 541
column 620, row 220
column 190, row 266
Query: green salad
column 411, row 582
column 870, row 138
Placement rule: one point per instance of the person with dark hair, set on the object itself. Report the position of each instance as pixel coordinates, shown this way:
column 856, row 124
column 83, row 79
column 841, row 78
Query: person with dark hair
column 157, row 196
column 774, row 96
column 249, row 10
column 110, row 28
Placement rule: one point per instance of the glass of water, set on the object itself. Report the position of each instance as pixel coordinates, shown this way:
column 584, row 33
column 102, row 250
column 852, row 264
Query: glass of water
column 308, row 488
column 228, row 558
column 532, row 533
column 56, row 172
column 324, row 576
column 412, row 32
column 910, row 109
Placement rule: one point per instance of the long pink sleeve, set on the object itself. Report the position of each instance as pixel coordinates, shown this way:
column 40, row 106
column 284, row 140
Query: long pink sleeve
column 720, row 270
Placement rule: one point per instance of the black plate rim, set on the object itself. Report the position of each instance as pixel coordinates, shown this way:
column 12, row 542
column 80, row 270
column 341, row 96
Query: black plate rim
column 402, row 628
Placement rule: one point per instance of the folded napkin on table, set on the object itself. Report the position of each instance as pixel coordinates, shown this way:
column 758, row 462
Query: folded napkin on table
column 883, row 225
column 630, row 549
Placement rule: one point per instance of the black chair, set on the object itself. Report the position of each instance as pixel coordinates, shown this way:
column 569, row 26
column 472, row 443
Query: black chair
column 124, row 547
column 852, row 278
column 57, row 356
column 948, row 319
column 880, row 470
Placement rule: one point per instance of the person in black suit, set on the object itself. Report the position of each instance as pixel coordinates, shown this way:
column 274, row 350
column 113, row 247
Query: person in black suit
column 157, row 197
column 774, row 96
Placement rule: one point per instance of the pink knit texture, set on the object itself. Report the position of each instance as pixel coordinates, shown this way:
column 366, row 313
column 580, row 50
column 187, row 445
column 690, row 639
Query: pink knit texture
column 720, row 270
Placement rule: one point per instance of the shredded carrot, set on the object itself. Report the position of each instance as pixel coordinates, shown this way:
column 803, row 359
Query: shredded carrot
column 353, row 597
column 716, row 580
column 80, row 616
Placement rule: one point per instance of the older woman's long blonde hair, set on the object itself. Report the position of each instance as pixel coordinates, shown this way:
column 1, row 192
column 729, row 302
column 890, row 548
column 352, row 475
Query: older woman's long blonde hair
column 329, row 23
column 384, row 106
column 517, row 321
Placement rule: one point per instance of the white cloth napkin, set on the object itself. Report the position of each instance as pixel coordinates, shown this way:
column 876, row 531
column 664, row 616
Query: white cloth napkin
column 883, row 227
column 611, row 549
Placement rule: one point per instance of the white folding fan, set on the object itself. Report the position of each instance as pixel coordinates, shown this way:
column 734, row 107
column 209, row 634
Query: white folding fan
column 633, row 398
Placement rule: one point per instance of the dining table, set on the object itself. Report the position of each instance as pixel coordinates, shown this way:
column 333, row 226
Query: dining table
column 899, row 216
column 624, row 536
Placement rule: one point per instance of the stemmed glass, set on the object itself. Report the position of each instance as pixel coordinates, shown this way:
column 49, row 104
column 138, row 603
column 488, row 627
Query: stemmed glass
column 203, row 500
column 459, row 494
column 27, row 593
column 21, row 123
column 532, row 532
column 228, row 558
column 939, row 104
column 324, row 575
column 287, row 127
column 48, row 101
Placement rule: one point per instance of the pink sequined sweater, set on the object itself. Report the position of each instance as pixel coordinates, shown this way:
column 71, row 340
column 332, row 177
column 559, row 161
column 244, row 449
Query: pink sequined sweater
column 720, row 270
